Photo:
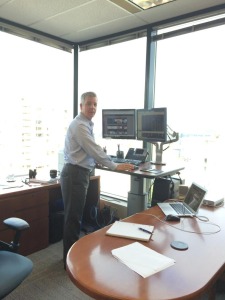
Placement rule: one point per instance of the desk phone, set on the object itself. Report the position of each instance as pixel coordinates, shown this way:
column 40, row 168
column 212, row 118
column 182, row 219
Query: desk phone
column 137, row 154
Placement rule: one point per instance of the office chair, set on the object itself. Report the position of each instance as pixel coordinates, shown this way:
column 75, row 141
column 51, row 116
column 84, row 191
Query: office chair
column 14, row 268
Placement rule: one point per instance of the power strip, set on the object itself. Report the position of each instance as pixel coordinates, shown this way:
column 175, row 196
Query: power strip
column 214, row 203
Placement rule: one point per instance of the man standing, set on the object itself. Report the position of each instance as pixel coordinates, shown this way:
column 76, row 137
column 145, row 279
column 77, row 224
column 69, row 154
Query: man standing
column 81, row 153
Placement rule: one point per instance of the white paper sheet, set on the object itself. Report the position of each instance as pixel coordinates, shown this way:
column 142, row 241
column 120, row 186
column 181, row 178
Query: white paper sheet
column 142, row 259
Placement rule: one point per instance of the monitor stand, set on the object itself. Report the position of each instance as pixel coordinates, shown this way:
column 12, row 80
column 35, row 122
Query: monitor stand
column 159, row 152
column 159, row 149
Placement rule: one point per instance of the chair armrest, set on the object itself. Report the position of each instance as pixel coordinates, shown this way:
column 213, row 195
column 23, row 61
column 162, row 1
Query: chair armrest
column 16, row 224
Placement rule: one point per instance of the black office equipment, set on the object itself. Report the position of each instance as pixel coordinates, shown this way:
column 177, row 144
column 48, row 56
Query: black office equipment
column 178, row 245
column 137, row 154
column 56, row 215
column 56, row 225
column 152, row 125
column 134, row 156
column 162, row 189
column 14, row 268
column 119, row 123
column 172, row 218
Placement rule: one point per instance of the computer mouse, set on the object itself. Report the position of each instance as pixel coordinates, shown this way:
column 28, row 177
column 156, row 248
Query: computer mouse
column 136, row 167
column 172, row 218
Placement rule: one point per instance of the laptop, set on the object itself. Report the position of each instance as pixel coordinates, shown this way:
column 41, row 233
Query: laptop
column 190, row 205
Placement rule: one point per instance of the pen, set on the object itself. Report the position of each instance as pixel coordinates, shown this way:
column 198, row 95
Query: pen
column 145, row 230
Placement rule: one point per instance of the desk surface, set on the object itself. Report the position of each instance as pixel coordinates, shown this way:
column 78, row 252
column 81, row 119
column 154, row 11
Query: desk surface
column 94, row 270
column 21, row 188
column 165, row 170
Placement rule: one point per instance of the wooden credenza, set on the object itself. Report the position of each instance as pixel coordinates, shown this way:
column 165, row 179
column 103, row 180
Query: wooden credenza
column 32, row 205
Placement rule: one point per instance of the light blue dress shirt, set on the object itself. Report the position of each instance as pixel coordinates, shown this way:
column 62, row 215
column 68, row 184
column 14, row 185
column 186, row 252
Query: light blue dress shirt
column 81, row 148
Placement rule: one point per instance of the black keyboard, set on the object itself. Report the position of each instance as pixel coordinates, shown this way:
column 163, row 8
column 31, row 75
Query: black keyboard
column 135, row 162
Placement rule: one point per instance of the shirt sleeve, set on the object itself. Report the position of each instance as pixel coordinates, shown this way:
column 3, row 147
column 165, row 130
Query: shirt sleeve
column 87, row 142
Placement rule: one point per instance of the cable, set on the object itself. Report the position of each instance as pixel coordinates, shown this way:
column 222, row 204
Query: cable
column 202, row 218
column 172, row 187
column 189, row 231
column 166, row 148
column 178, row 173
column 150, row 188
column 171, row 132
column 94, row 215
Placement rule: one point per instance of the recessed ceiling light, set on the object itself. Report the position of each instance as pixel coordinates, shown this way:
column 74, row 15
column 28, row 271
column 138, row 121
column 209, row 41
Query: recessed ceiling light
column 146, row 4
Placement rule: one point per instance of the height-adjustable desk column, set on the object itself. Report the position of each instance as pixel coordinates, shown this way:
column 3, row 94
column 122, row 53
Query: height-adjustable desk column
column 137, row 196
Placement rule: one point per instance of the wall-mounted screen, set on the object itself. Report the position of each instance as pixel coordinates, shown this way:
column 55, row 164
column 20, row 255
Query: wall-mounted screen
column 119, row 123
column 152, row 125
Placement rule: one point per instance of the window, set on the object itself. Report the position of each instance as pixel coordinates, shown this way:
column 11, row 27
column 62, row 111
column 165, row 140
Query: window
column 189, row 81
column 36, row 104
column 117, row 74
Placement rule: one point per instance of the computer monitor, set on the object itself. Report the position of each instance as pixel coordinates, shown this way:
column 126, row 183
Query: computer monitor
column 152, row 125
column 119, row 123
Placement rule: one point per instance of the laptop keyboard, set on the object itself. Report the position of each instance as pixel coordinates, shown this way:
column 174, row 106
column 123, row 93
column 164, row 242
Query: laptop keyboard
column 179, row 208
column 127, row 161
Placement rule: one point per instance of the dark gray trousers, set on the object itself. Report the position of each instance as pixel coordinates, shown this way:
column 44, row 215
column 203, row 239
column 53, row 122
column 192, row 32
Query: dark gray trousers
column 74, row 182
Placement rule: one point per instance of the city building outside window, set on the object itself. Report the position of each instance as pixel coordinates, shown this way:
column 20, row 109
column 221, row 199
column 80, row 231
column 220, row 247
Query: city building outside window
column 189, row 82
column 36, row 104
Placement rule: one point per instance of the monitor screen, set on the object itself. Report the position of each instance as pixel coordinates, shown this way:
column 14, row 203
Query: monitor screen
column 119, row 123
column 152, row 125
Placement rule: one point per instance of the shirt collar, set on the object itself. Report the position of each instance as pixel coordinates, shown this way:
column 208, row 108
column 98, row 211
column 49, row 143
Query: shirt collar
column 86, row 119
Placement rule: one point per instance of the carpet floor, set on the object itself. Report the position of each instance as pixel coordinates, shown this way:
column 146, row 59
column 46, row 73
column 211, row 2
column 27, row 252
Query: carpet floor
column 48, row 280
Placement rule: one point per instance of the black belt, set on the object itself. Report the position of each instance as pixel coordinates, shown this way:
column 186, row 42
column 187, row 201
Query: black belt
column 79, row 167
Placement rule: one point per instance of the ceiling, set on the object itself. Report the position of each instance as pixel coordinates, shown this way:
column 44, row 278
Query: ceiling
column 82, row 20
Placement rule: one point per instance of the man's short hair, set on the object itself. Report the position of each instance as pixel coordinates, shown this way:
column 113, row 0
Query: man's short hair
column 87, row 94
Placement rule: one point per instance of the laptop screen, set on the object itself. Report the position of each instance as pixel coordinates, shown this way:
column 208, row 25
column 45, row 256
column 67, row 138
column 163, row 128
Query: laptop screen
column 195, row 196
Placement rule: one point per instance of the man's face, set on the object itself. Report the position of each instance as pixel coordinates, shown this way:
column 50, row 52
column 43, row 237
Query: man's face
column 89, row 107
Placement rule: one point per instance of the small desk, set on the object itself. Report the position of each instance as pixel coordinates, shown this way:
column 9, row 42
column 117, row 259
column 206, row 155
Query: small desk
column 93, row 269
column 137, row 196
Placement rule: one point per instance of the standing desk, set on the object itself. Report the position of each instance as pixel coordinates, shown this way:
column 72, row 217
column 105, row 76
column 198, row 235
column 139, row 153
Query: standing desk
column 137, row 196
column 93, row 269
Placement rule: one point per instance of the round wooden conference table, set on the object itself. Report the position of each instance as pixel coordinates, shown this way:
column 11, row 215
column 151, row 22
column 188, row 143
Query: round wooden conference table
column 94, row 270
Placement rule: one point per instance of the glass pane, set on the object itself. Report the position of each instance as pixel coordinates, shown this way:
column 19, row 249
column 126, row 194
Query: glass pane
column 36, row 104
column 189, row 81
column 117, row 74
